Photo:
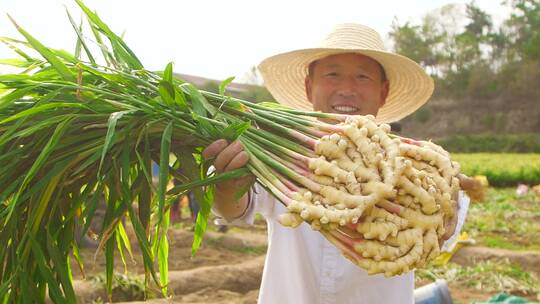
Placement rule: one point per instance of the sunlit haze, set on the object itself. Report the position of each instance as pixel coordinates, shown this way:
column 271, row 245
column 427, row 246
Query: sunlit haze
column 214, row 39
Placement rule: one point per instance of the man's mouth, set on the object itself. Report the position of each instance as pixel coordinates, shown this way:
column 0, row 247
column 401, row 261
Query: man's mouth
column 345, row 109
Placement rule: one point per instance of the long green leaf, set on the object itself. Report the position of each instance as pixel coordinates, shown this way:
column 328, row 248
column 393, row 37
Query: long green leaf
column 163, row 255
column 47, row 150
column 127, row 54
column 237, row 173
column 110, row 134
column 54, row 290
column 200, row 104
column 145, row 198
column 8, row 99
column 19, row 63
column 39, row 109
column 61, row 268
column 165, row 150
column 78, row 258
column 121, row 232
column 148, row 258
column 9, row 42
column 46, row 53
column 81, row 39
column 168, row 73
column 224, row 84
column 109, row 264
column 205, row 200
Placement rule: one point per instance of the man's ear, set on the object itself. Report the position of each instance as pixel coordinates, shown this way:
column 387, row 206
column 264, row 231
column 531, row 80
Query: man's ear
column 384, row 92
column 308, row 85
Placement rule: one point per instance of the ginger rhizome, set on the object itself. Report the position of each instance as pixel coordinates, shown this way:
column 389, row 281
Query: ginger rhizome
column 357, row 171
column 381, row 199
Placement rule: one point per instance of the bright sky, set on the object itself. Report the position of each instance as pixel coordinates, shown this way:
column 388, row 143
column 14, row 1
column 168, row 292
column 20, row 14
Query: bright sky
column 215, row 39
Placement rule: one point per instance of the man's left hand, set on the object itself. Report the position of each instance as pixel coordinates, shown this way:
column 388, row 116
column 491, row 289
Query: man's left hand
column 474, row 188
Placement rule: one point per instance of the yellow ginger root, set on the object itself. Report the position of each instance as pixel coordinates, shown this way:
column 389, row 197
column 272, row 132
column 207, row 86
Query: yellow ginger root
column 402, row 243
column 316, row 211
column 436, row 148
column 379, row 224
column 401, row 264
column 362, row 142
column 331, row 148
column 334, row 196
column 377, row 230
column 397, row 266
column 290, row 219
column 381, row 189
column 431, row 245
column 360, row 171
column 353, row 154
column 424, row 167
column 406, row 200
column 426, row 200
column 363, row 168
column 323, row 180
column 380, row 213
column 419, row 220
column 322, row 167
column 443, row 164
column 380, row 251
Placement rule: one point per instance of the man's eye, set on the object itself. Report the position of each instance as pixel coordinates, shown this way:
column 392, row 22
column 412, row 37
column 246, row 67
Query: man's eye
column 361, row 76
column 331, row 74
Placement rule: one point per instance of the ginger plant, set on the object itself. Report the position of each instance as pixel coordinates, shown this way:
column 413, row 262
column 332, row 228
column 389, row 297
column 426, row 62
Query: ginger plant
column 75, row 130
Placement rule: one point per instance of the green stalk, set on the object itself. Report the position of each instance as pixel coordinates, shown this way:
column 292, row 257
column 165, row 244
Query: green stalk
column 304, row 139
column 312, row 186
column 291, row 122
column 331, row 116
column 276, row 147
column 265, row 174
column 273, row 140
column 284, row 158
column 271, row 186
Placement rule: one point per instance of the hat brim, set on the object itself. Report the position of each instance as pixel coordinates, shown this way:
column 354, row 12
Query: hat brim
column 410, row 86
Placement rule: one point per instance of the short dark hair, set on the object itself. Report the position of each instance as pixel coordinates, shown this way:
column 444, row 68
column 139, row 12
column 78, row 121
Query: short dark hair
column 311, row 68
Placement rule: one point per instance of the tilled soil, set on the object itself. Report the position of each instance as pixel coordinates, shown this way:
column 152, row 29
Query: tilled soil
column 228, row 269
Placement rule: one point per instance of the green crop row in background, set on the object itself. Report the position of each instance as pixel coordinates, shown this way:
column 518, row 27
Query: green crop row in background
column 501, row 169
column 492, row 143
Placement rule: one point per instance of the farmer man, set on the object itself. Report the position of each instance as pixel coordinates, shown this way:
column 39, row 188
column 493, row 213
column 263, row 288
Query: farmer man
column 350, row 73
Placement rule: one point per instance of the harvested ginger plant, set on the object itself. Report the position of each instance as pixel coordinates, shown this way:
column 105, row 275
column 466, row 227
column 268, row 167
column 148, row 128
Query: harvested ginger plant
column 76, row 129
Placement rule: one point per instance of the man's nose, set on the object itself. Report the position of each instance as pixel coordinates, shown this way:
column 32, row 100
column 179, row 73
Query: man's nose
column 346, row 93
column 347, row 87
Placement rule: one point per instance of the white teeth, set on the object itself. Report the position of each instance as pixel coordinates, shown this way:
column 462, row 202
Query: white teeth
column 345, row 108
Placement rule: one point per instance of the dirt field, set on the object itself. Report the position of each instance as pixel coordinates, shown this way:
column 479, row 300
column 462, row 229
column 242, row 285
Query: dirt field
column 228, row 269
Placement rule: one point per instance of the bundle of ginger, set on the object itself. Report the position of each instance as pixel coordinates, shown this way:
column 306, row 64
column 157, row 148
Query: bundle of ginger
column 360, row 171
column 78, row 129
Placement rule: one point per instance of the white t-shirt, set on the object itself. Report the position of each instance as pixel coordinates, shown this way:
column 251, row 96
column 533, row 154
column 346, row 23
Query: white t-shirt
column 302, row 267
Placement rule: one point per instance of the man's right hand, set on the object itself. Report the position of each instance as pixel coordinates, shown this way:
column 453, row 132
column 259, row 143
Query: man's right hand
column 226, row 156
column 229, row 156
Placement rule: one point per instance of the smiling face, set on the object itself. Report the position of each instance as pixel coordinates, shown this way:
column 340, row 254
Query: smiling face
column 346, row 84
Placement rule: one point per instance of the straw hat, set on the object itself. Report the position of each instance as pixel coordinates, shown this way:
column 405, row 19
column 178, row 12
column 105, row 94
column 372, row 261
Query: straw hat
column 410, row 86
